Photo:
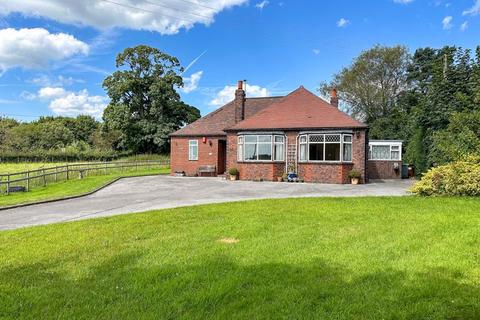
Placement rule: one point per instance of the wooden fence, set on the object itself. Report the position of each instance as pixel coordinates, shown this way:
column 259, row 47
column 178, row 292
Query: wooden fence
column 44, row 176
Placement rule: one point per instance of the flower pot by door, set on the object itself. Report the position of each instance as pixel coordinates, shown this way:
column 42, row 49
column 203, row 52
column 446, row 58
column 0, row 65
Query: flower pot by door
column 355, row 180
column 233, row 178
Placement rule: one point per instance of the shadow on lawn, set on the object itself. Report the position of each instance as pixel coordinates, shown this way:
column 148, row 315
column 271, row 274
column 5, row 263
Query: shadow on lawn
column 220, row 288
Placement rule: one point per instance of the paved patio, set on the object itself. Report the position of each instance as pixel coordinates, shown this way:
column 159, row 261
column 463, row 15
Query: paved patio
column 160, row 192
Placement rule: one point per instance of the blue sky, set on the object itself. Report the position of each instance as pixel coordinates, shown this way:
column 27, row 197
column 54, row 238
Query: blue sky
column 54, row 54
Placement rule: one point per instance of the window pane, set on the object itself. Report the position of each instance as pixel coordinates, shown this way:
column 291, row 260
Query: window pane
column 332, row 151
column 303, row 139
column 315, row 151
column 381, row 152
column 240, row 152
column 396, row 148
column 347, row 138
column 192, row 150
column 250, row 152
column 279, row 139
column 264, row 138
column 395, row 155
column 278, row 147
column 264, row 151
column 316, row 138
column 303, row 152
column 250, row 138
column 240, row 139
column 332, row 138
column 347, row 152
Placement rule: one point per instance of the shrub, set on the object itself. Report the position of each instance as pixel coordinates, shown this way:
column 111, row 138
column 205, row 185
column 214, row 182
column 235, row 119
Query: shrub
column 459, row 178
column 233, row 171
column 354, row 174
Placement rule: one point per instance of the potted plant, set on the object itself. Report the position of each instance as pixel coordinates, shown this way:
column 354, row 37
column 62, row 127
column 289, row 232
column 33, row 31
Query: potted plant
column 233, row 173
column 285, row 177
column 354, row 176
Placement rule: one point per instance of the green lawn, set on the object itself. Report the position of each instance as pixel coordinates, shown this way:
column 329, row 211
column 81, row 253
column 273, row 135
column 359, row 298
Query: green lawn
column 338, row 258
column 71, row 187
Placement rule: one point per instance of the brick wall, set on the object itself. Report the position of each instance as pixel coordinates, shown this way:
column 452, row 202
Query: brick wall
column 384, row 169
column 207, row 154
column 324, row 172
column 359, row 154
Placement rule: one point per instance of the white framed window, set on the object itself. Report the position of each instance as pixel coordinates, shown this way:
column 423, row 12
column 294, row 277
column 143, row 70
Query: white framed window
column 347, row 147
column 240, row 149
column 261, row 147
column 279, row 148
column 325, row 147
column 192, row 150
column 385, row 150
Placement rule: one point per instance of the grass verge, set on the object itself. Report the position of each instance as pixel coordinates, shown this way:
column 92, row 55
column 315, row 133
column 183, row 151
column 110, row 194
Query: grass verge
column 324, row 258
column 71, row 188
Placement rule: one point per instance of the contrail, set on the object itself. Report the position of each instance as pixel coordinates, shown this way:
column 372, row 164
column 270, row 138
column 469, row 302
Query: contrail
column 194, row 61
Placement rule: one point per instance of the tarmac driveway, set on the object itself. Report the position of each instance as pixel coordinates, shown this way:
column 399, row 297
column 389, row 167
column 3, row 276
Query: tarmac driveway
column 158, row 192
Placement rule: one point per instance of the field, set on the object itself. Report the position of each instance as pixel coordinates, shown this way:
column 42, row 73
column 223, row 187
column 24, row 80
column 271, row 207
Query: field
column 338, row 258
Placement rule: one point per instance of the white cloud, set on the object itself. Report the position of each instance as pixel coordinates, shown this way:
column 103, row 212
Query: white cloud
column 342, row 23
column 464, row 26
column 447, row 22
column 191, row 83
column 68, row 103
column 35, row 48
column 262, row 4
column 51, row 92
column 474, row 10
column 165, row 17
column 403, row 1
column 316, row 51
column 227, row 94
column 59, row 81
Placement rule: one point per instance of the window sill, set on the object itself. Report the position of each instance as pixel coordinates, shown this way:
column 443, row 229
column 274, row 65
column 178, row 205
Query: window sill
column 388, row 160
column 325, row 162
column 262, row 161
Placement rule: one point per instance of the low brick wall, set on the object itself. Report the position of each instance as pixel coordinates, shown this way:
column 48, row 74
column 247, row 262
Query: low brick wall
column 258, row 170
column 324, row 172
column 378, row 169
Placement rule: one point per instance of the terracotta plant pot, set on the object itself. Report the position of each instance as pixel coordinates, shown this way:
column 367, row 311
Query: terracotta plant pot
column 233, row 178
column 279, row 179
column 355, row 180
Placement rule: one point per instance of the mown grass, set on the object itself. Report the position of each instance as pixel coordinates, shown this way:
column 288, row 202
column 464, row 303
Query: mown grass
column 338, row 258
column 72, row 187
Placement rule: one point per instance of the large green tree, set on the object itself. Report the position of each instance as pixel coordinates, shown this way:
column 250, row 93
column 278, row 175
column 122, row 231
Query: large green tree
column 145, row 106
column 371, row 87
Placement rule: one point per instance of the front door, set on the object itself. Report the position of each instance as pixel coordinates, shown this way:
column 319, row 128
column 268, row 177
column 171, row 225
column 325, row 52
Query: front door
column 222, row 156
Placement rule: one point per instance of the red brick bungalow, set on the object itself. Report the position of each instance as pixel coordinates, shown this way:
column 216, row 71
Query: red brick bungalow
column 264, row 137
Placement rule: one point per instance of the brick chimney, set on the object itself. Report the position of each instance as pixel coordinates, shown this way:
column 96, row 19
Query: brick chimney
column 334, row 98
column 239, row 102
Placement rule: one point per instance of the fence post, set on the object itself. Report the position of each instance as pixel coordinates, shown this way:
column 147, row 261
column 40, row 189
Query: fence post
column 56, row 169
column 67, row 172
column 8, row 184
column 44, row 178
column 28, row 180
column 106, row 167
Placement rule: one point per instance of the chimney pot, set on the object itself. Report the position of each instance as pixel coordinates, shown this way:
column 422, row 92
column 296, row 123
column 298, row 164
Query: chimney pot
column 240, row 84
column 334, row 98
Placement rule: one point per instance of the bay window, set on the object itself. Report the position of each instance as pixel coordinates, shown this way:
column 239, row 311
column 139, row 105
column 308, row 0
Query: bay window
column 331, row 147
column 262, row 147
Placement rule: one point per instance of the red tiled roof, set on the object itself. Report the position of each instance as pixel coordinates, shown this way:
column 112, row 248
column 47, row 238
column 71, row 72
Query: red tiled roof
column 300, row 109
column 214, row 123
